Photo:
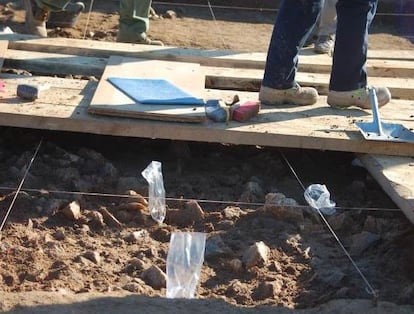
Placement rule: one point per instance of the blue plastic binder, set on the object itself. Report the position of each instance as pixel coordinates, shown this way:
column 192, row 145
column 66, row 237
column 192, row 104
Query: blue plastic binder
column 154, row 91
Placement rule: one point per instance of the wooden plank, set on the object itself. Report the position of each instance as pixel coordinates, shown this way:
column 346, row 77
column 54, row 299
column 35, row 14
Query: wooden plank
column 3, row 49
column 53, row 63
column 396, row 177
column 216, row 77
column 309, row 127
column 389, row 63
column 110, row 101
column 250, row 79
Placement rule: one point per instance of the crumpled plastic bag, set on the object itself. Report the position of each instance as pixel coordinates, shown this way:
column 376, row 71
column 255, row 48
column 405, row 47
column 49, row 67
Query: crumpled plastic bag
column 318, row 197
column 184, row 261
column 156, row 191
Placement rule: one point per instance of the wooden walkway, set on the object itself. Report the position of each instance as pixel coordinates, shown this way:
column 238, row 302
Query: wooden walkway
column 65, row 105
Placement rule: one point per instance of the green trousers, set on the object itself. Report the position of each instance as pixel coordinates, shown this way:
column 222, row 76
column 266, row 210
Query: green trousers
column 133, row 16
column 133, row 20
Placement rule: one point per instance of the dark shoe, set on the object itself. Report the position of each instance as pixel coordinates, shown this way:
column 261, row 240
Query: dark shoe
column 296, row 95
column 358, row 98
column 35, row 19
column 74, row 7
column 325, row 44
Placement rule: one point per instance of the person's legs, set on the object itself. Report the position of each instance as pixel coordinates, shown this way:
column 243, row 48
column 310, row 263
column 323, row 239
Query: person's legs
column 294, row 22
column 327, row 28
column 134, row 21
column 348, row 70
column 52, row 5
column 37, row 13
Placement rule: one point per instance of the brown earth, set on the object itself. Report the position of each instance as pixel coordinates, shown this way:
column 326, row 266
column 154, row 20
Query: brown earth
column 91, row 263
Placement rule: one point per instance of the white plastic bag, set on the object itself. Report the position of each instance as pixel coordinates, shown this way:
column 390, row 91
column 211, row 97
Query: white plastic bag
column 156, row 191
column 318, row 197
column 184, row 260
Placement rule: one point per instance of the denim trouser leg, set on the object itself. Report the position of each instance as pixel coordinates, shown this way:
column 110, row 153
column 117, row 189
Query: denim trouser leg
column 350, row 54
column 327, row 20
column 294, row 22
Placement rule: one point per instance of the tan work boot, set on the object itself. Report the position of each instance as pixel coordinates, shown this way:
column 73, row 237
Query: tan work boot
column 358, row 98
column 35, row 19
column 126, row 37
column 296, row 95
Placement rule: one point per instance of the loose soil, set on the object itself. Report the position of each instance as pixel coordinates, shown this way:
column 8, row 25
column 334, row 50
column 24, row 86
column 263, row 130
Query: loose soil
column 110, row 256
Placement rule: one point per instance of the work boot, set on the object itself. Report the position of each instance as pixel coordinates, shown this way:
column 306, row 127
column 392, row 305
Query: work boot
column 35, row 19
column 74, row 7
column 358, row 98
column 296, row 95
column 325, row 44
column 126, row 37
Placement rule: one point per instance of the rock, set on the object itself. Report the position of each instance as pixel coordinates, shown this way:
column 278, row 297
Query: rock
column 59, row 235
column 236, row 265
column 330, row 275
column 256, row 255
column 170, row 14
column 136, row 197
column 279, row 199
column 154, row 277
column 282, row 208
column 96, row 218
column 135, row 264
column 9, row 279
column 134, row 287
column 362, row 241
column 136, row 236
column 340, row 221
column 93, row 256
column 267, row 290
column 139, row 211
column 232, row 212
column 215, row 247
column 252, row 193
column 72, row 211
column 109, row 218
column 187, row 216
column 239, row 291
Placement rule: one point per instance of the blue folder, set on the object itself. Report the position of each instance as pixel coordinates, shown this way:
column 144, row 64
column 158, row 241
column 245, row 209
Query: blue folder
column 154, row 91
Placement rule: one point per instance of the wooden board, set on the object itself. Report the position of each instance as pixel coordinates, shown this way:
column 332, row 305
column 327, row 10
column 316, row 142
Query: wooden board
column 110, row 101
column 396, row 177
column 3, row 49
column 312, row 127
column 216, row 77
column 387, row 63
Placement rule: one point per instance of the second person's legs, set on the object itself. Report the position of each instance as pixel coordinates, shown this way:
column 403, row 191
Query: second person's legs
column 134, row 22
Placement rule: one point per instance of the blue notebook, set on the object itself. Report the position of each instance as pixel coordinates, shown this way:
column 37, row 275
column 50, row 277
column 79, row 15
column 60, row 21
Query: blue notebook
column 154, row 91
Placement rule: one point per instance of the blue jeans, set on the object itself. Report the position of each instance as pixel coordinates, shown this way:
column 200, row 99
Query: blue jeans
column 295, row 21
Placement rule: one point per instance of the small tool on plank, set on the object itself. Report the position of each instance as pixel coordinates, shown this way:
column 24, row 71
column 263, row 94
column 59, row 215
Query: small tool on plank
column 29, row 91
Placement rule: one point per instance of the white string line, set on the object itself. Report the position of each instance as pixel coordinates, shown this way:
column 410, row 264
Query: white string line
column 216, row 24
column 370, row 289
column 20, row 185
column 87, row 19
column 257, row 9
column 45, row 191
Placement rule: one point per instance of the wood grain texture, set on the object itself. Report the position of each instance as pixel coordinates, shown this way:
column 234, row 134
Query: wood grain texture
column 110, row 101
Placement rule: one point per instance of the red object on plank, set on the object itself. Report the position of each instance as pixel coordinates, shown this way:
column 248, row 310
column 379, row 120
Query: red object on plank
column 246, row 111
